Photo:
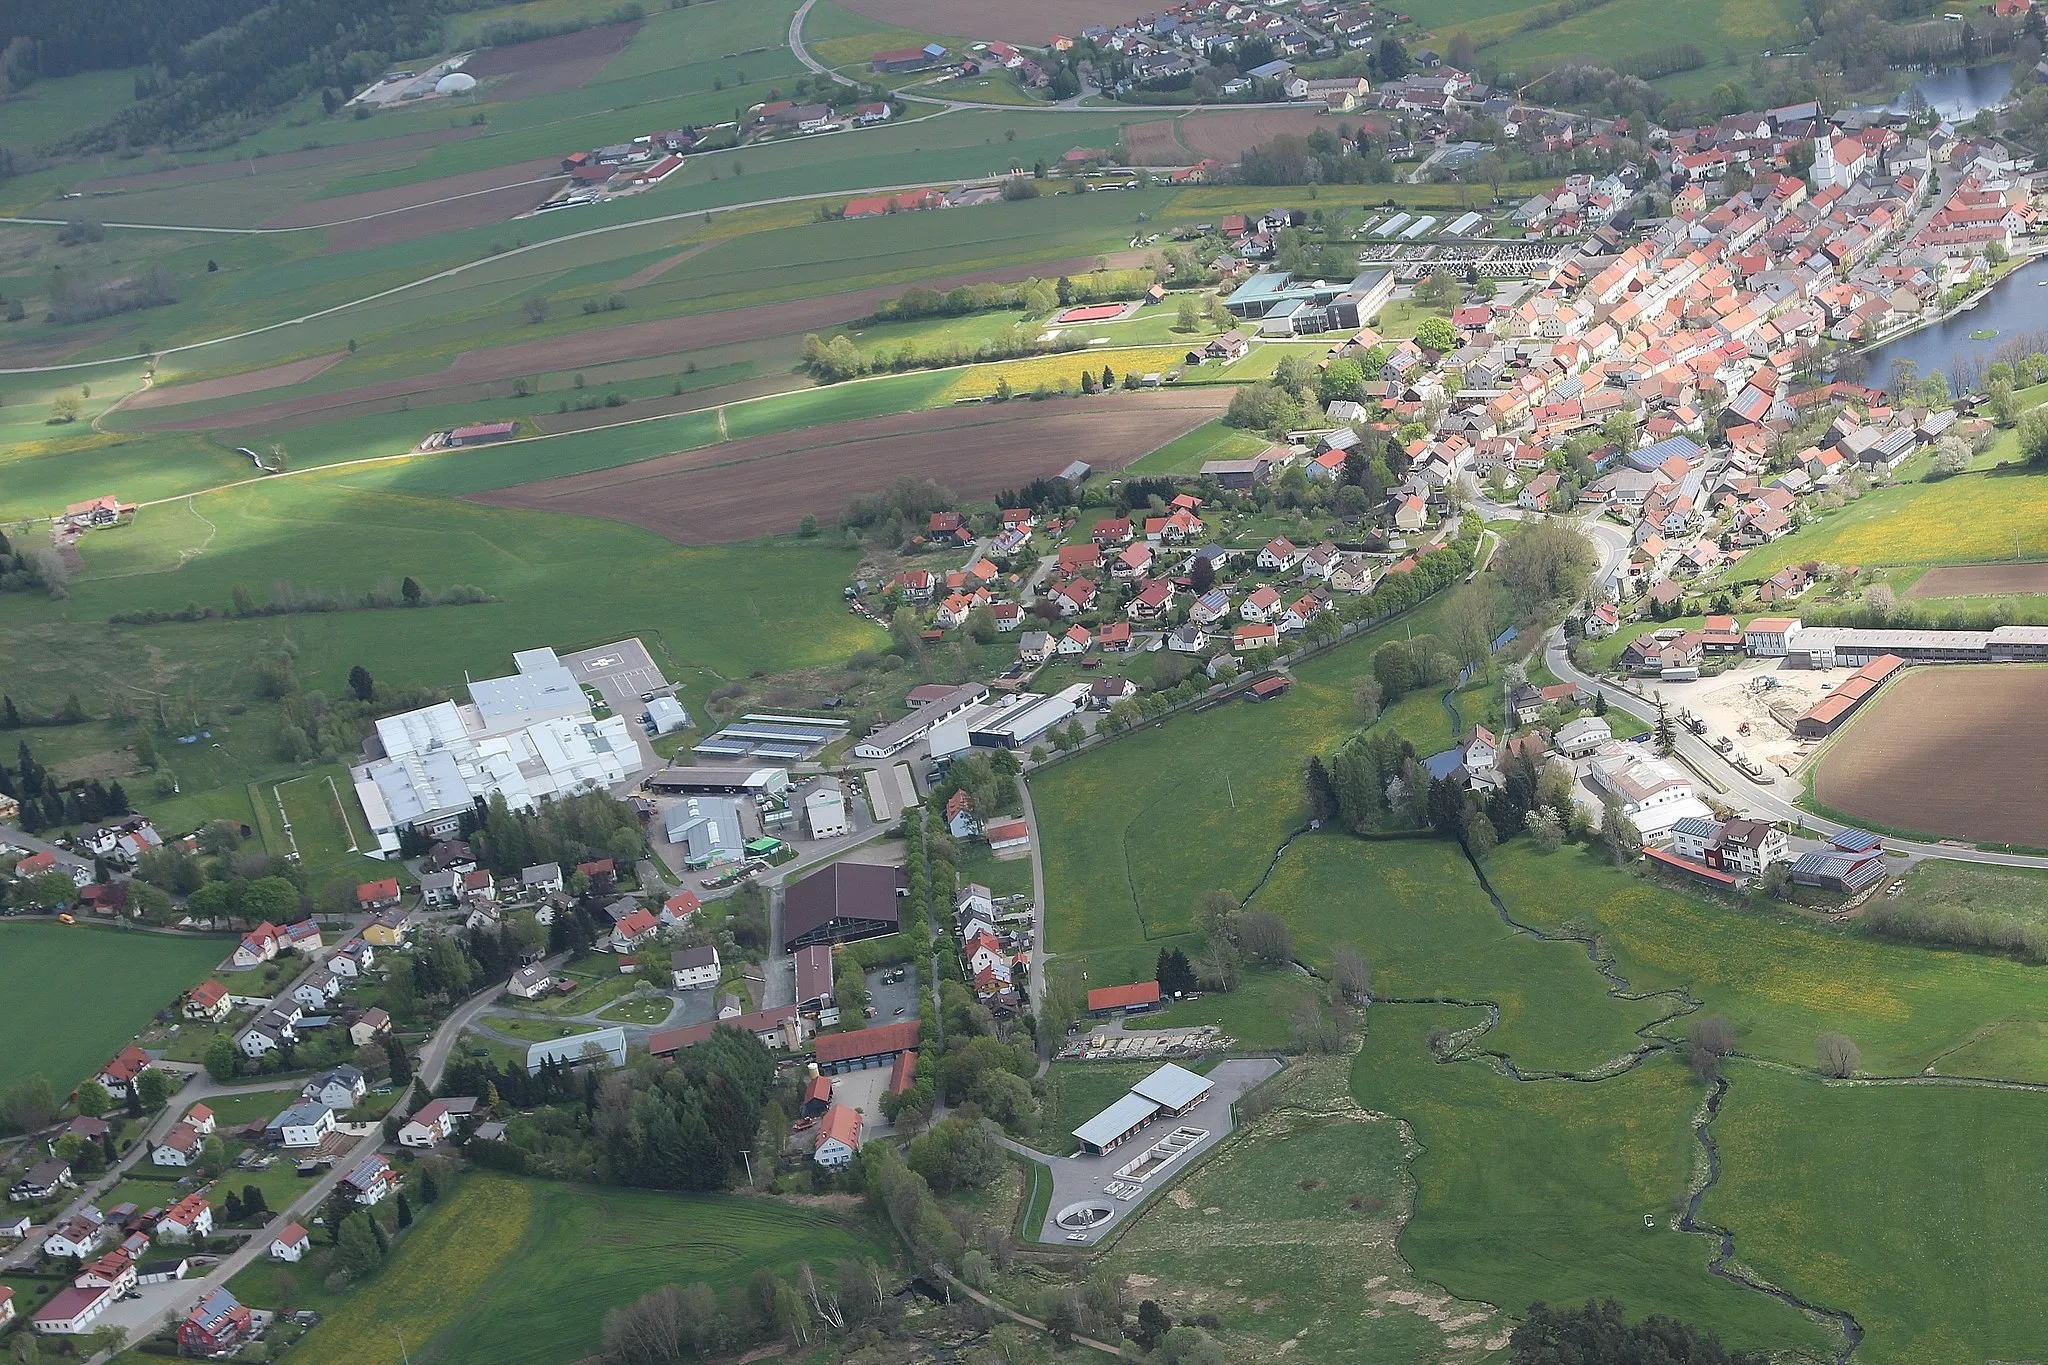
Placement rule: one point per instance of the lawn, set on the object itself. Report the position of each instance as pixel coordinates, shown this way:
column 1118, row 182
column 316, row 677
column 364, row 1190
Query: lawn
column 1538, row 1190
column 1420, row 918
column 644, row 1009
column 1259, row 1013
column 1002, row 876
column 2010, row 892
column 128, row 975
column 1902, row 1206
column 1052, row 371
column 508, row 1269
column 1210, row 441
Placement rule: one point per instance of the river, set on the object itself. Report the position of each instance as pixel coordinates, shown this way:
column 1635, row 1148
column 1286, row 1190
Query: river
column 2016, row 308
column 1958, row 92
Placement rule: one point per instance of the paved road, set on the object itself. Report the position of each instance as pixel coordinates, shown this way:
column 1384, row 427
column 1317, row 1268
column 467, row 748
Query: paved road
column 1613, row 544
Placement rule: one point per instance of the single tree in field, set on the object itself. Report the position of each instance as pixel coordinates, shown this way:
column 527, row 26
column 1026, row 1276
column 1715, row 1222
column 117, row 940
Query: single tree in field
column 1351, row 973
column 1838, row 1056
column 360, row 683
column 410, row 591
column 1709, row 1038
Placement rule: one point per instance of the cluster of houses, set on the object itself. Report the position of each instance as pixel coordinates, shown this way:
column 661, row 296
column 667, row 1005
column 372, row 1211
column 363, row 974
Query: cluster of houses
column 1179, row 43
column 994, row 956
column 116, row 1250
column 310, row 1000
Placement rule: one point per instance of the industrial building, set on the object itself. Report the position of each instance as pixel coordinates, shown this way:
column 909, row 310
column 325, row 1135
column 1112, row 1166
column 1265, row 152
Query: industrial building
column 899, row 735
column 1018, row 722
column 686, row 781
column 783, row 739
column 528, row 737
column 825, row 812
column 1284, row 305
column 1839, row 646
column 1827, row 716
column 665, row 715
column 708, row 830
column 1168, row 1092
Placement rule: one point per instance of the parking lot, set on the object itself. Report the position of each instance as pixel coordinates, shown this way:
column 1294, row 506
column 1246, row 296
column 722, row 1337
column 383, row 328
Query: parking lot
column 893, row 1003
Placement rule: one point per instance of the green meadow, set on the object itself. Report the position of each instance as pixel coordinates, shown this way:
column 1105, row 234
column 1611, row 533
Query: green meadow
column 129, row 976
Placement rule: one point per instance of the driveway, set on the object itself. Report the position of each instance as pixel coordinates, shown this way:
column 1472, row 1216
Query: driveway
column 1082, row 1179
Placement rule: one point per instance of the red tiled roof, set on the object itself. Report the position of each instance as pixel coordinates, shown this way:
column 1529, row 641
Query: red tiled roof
column 1116, row 997
column 868, row 1042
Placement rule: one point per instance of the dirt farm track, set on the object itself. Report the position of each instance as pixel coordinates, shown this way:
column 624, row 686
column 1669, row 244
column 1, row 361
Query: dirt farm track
column 1954, row 751
column 763, row 485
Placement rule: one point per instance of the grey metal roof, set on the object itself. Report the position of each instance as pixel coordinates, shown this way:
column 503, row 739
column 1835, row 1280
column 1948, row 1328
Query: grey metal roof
column 1113, row 1122
column 1172, row 1087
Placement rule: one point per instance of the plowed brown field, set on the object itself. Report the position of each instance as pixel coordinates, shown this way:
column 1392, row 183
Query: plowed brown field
column 1954, row 751
column 764, row 485
column 1981, row 580
column 548, row 65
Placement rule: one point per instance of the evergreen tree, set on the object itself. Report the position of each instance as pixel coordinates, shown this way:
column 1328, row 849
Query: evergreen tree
column 404, row 1211
column 430, row 1188
column 360, row 683
column 10, row 719
column 1322, row 793
column 395, row 1055
column 410, row 590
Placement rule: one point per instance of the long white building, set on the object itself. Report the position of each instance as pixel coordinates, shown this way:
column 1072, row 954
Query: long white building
column 528, row 737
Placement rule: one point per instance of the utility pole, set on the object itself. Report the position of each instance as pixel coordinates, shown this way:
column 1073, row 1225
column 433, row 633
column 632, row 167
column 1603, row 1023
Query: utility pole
column 748, row 1155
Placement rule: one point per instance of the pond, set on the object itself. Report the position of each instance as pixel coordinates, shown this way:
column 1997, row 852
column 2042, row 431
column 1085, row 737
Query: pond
column 1958, row 92
column 2016, row 309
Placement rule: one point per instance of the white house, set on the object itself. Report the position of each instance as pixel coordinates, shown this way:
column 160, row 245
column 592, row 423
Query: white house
column 541, row 879
column 1582, row 736
column 369, row 1182
column 695, row 968
column 180, row 1147
column 302, row 1125
column 1280, row 556
column 77, row 1236
column 342, row 1087
column 15, row 1227
column 316, row 989
column 1481, row 747
column 289, row 1245
column 530, row 983
column 427, row 1127
column 838, row 1137
column 189, row 1218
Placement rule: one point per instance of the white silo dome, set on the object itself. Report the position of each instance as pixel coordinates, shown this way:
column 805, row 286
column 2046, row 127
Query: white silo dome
column 455, row 83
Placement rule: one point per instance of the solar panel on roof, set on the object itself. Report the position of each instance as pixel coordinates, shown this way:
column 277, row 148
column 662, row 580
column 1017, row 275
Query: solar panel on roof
column 780, row 751
column 725, row 748
column 798, row 734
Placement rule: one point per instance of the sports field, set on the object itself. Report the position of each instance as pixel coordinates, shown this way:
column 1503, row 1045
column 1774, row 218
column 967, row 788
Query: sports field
column 1945, row 751
column 517, row 1269
column 128, row 974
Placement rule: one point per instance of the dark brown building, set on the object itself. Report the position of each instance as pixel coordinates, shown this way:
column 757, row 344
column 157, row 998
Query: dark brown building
column 841, row 903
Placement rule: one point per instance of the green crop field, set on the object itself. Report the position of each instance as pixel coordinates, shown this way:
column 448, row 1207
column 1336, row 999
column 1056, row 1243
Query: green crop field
column 1966, row 519
column 507, row 1268
column 129, row 976
column 1900, row 1205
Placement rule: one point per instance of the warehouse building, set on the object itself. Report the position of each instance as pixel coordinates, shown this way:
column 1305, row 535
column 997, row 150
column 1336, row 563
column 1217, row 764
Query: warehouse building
column 842, row 903
column 1313, row 305
column 1019, row 723
column 1168, row 1092
column 1824, row 718
column 687, row 781
column 707, row 828
column 899, row 735
column 609, row 1043
column 864, row 1049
